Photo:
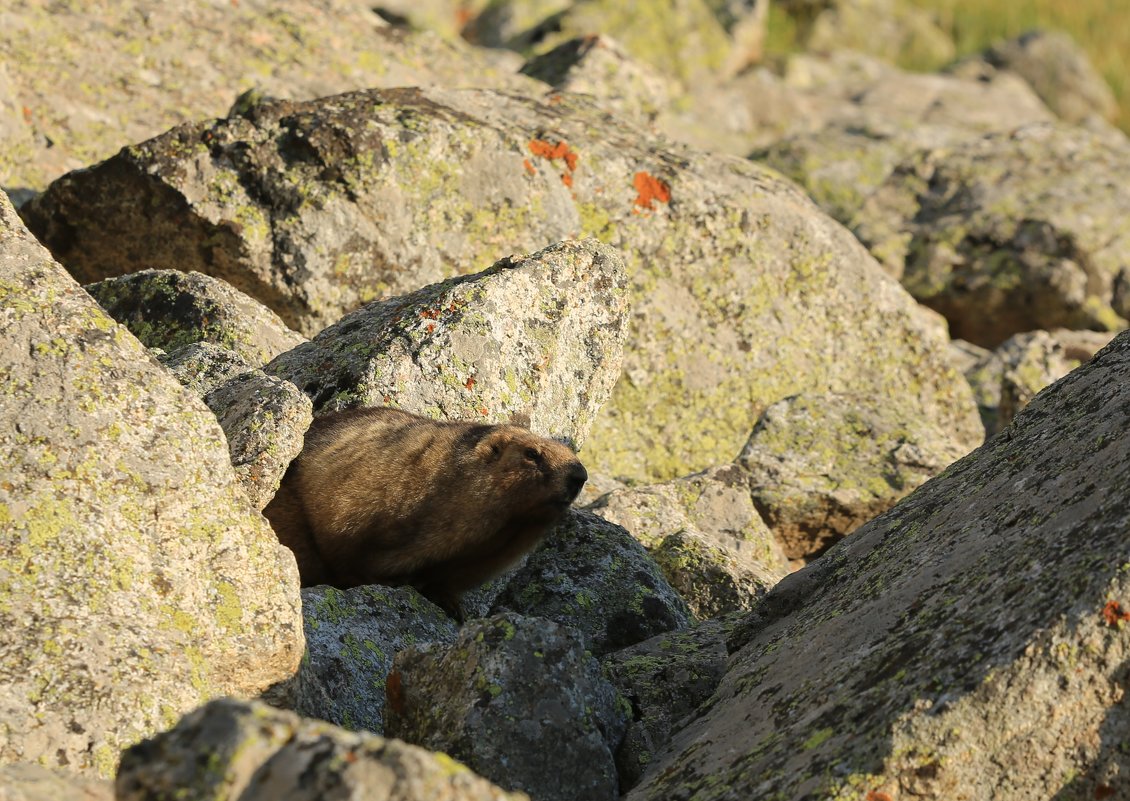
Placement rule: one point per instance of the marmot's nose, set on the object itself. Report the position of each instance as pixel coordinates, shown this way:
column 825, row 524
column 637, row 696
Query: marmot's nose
column 576, row 479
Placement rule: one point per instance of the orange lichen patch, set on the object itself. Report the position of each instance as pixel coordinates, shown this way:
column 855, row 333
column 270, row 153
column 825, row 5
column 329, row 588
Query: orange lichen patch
column 567, row 179
column 483, row 411
column 529, row 167
column 540, row 147
column 470, row 383
column 554, row 99
column 1113, row 613
column 650, row 189
column 463, row 15
column 431, row 327
column 878, row 795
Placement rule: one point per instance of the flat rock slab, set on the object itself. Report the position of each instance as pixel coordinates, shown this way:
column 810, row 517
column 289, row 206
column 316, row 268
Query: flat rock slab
column 539, row 336
column 135, row 578
column 970, row 642
column 239, row 751
column 491, row 699
column 1010, row 232
column 24, row 781
column 741, row 289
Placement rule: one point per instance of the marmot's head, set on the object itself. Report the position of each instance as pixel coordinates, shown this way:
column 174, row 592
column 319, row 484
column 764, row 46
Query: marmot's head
column 535, row 476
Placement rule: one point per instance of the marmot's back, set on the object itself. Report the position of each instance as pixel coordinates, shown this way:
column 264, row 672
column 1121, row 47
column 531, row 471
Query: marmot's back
column 381, row 496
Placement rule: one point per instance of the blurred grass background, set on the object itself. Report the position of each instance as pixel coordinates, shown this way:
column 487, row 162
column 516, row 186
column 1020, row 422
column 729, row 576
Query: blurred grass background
column 1101, row 27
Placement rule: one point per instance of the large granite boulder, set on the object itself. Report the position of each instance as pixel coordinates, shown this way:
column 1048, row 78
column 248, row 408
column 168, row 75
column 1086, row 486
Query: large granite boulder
column 493, row 698
column 1009, row 232
column 238, row 751
column 743, row 293
column 135, row 579
column 538, row 336
column 970, row 642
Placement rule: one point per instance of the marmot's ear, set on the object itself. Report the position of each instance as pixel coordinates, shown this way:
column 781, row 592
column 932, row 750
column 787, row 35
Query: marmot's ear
column 520, row 419
column 490, row 447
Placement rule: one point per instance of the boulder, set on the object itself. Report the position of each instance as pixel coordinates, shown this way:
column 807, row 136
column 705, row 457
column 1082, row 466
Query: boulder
column 264, row 419
column 821, row 465
column 491, row 697
column 351, row 638
column 232, row 750
column 88, row 80
column 1010, row 232
column 741, row 289
column 970, row 642
column 537, row 336
column 706, row 536
column 597, row 65
column 135, row 579
column 591, row 575
column 1056, row 68
column 168, row 309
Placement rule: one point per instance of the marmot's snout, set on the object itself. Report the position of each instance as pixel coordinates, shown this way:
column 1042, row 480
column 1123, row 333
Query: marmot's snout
column 575, row 479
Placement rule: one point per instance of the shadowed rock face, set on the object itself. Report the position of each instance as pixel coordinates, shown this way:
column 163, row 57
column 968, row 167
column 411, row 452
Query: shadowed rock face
column 972, row 641
column 742, row 292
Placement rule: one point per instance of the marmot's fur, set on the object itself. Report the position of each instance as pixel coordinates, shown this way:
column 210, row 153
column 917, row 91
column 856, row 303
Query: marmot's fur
column 381, row 496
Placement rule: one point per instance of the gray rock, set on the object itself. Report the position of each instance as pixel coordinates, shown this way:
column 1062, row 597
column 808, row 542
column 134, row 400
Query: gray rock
column 971, row 641
column 820, row 466
column 27, row 782
column 538, row 336
column 706, row 536
column 591, row 575
column 264, row 419
column 238, row 751
column 1057, row 69
column 351, row 638
column 1009, row 233
column 202, row 367
column 375, row 193
column 96, row 79
column 168, row 309
column 490, row 699
column 665, row 680
column 597, row 65
column 135, row 578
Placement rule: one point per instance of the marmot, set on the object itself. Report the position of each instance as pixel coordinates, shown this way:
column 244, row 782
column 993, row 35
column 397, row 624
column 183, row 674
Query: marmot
column 381, row 496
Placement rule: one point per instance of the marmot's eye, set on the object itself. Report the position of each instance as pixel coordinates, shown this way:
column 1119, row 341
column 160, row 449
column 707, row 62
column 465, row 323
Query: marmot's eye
column 533, row 455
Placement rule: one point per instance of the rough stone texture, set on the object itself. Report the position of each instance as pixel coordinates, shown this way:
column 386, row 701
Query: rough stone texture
column 706, row 536
column 351, row 638
column 597, row 65
column 681, row 38
column 887, row 118
column 741, row 289
column 821, row 465
column 135, row 578
column 1030, row 362
column 1009, row 233
column 97, row 77
column 893, row 30
column 264, row 419
column 591, row 575
column 539, row 336
column 665, row 679
column 972, row 642
column 237, row 751
column 202, row 367
column 27, row 782
column 490, row 700
column 1056, row 68
column 168, row 309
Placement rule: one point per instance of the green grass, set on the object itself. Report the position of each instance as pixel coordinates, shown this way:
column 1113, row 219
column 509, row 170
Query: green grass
column 1101, row 27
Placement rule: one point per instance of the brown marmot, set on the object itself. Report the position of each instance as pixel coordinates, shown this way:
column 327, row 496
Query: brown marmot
column 381, row 496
